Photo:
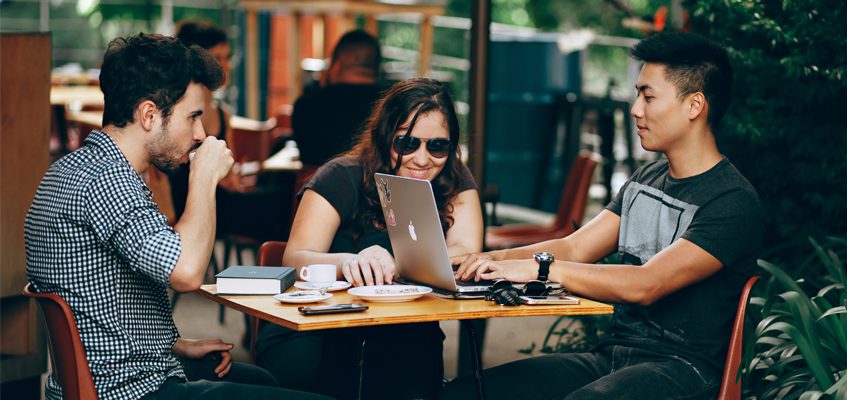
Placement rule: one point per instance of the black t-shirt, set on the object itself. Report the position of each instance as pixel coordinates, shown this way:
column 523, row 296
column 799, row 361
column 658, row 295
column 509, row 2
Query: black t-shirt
column 325, row 122
column 340, row 183
column 718, row 211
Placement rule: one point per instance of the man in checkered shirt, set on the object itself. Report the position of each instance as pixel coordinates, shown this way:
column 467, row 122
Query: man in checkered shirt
column 95, row 237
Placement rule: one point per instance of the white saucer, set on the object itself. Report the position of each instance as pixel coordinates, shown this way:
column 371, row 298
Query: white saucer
column 389, row 293
column 303, row 296
column 337, row 285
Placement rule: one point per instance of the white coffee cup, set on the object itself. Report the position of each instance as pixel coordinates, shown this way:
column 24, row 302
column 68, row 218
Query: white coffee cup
column 318, row 275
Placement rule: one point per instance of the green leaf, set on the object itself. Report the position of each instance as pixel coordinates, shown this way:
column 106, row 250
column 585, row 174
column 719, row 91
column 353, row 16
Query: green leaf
column 811, row 395
column 839, row 389
column 780, row 276
column 833, row 311
column 812, row 354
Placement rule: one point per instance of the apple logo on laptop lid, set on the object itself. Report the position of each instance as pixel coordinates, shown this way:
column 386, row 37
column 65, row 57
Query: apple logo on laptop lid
column 412, row 232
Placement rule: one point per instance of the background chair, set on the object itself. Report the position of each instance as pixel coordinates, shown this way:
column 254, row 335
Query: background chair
column 70, row 366
column 731, row 382
column 568, row 217
column 270, row 255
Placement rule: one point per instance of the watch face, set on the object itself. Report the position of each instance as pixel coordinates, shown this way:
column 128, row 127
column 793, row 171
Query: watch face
column 543, row 256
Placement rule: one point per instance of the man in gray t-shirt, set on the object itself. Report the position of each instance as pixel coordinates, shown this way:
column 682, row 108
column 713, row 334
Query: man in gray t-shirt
column 686, row 229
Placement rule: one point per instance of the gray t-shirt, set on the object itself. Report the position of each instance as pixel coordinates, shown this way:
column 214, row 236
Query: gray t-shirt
column 718, row 211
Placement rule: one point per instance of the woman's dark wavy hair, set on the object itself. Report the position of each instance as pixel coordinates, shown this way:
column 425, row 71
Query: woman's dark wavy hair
column 152, row 67
column 419, row 97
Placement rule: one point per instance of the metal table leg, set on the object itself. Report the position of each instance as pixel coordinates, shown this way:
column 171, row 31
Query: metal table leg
column 475, row 356
column 361, row 370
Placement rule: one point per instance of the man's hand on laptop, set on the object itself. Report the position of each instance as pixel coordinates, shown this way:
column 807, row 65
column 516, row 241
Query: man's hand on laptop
column 372, row 266
column 511, row 270
column 469, row 263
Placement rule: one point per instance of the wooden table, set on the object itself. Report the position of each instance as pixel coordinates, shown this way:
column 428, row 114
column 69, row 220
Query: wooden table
column 66, row 99
column 76, row 96
column 426, row 309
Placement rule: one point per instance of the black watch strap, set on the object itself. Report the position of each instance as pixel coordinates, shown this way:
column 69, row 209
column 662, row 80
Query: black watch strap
column 544, row 259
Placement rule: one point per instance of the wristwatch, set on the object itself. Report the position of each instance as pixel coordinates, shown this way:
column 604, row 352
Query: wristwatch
column 544, row 259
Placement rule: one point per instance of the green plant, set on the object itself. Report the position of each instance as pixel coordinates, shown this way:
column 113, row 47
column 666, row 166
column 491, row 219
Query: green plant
column 571, row 335
column 784, row 130
column 799, row 348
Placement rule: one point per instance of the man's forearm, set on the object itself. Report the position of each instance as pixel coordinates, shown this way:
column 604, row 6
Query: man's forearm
column 196, row 228
column 559, row 248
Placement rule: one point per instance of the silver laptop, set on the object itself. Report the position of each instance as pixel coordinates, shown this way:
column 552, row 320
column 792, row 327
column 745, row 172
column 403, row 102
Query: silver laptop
column 414, row 228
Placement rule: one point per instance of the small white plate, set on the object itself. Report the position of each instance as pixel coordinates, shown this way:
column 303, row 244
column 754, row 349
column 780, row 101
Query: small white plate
column 337, row 285
column 303, row 296
column 389, row 293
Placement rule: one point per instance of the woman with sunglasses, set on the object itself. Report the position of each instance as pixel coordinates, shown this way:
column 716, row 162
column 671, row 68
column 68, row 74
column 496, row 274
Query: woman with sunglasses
column 412, row 132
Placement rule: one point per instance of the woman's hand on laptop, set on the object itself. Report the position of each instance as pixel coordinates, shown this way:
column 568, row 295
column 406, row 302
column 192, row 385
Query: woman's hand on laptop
column 469, row 263
column 372, row 266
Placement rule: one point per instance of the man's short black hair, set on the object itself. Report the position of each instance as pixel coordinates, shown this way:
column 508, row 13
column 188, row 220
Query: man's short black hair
column 152, row 67
column 358, row 48
column 693, row 64
column 201, row 33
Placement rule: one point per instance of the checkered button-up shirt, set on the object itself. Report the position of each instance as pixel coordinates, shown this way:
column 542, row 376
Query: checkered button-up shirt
column 95, row 238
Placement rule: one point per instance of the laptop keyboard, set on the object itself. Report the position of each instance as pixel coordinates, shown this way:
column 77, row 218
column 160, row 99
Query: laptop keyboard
column 475, row 283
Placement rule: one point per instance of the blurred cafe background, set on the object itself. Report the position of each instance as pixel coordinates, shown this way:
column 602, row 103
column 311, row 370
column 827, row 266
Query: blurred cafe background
column 542, row 87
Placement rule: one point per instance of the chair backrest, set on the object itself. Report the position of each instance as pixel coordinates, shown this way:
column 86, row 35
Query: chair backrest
column 70, row 366
column 731, row 383
column 270, row 255
column 575, row 194
column 304, row 175
column 251, row 139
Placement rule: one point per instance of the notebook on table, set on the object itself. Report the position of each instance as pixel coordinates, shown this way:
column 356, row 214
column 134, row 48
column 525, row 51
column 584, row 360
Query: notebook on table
column 420, row 250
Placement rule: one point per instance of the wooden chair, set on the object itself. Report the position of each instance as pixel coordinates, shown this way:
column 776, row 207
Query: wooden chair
column 731, row 382
column 283, row 121
column 270, row 255
column 570, row 213
column 70, row 365
column 251, row 139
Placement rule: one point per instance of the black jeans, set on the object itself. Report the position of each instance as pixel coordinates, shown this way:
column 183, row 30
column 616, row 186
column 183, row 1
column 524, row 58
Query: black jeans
column 401, row 361
column 242, row 380
column 609, row 372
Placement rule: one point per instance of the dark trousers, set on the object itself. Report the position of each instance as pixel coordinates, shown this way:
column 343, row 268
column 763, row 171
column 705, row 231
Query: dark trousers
column 245, row 380
column 609, row 372
column 400, row 361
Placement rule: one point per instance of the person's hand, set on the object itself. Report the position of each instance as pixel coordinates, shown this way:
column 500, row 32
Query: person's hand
column 232, row 183
column 212, row 158
column 372, row 266
column 199, row 348
column 469, row 263
column 510, row 270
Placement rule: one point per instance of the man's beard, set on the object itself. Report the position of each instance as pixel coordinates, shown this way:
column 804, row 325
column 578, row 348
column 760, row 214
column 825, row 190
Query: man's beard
column 160, row 151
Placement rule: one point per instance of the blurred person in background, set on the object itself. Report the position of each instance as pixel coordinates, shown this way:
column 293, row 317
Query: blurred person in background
column 326, row 121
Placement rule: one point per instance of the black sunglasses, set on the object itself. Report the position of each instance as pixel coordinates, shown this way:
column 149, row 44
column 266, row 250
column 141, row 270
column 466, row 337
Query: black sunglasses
column 438, row 148
column 531, row 288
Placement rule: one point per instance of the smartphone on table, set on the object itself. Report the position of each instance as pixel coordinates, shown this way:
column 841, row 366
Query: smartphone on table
column 331, row 309
column 535, row 300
